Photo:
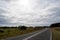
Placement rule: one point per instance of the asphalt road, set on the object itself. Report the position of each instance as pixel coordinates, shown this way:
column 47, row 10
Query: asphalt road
column 44, row 34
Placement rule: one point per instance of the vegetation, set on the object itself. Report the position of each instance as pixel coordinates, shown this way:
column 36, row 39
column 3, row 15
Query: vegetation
column 56, row 33
column 22, row 27
column 55, row 25
column 15, row 31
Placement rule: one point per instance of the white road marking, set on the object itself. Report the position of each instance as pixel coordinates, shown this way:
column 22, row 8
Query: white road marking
column 35, row 34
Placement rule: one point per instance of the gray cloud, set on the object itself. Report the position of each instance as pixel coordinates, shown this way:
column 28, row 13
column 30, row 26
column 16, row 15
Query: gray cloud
column 29, row 12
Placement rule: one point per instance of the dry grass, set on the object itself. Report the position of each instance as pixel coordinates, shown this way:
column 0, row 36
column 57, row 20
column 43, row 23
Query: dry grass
column 56, row 33
column 9, row 32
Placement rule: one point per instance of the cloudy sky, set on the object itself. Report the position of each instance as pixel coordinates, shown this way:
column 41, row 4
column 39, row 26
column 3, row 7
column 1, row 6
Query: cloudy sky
column 29, row 12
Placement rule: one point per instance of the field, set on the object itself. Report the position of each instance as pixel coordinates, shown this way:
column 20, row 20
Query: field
column 14, row 31
column 56, row 33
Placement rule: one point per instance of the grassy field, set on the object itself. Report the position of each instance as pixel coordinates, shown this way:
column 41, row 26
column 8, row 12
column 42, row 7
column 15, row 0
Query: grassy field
column 56, row 33
column 10, row 32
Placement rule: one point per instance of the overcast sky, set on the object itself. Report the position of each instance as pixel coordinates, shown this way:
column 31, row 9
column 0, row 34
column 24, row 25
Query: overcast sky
column 29, row 12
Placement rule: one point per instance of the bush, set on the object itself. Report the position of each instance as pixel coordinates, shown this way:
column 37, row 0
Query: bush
column 1, row 31
column 22, row 27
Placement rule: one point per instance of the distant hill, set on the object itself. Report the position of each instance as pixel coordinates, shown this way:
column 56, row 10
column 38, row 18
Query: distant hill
column 55, row 25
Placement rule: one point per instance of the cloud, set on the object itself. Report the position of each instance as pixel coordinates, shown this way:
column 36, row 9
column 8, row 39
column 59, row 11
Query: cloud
column 29, row 12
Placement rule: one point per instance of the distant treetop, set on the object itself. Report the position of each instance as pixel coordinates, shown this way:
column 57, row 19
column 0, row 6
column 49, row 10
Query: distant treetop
column 55, row 25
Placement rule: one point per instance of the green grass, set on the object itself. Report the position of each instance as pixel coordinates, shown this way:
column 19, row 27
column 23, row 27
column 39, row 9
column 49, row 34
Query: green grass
column 10, row 32
column 56, row 34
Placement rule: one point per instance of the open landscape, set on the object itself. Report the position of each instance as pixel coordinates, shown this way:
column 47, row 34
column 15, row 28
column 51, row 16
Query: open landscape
column 6, row 32
column 29, row 19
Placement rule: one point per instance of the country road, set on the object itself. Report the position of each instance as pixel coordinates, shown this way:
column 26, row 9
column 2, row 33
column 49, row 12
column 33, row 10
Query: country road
column 44, row 34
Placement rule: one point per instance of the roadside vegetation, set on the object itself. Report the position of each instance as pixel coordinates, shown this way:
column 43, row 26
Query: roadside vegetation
column 56, row 33
column 6, row 32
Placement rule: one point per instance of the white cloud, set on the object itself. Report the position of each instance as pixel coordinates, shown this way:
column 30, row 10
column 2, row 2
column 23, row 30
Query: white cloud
column 30, row 12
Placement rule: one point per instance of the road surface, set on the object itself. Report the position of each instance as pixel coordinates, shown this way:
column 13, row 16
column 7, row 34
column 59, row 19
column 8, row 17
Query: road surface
column 44, row 34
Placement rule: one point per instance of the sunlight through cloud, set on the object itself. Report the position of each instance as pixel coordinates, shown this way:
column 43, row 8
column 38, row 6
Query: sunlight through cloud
column 29, row 12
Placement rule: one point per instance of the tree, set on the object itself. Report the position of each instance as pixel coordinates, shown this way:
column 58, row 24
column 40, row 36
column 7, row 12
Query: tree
column 22, row 27
column 55, row 25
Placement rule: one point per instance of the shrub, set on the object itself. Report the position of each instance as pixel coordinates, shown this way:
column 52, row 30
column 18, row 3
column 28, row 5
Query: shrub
column 1, row 31
column 22, row 27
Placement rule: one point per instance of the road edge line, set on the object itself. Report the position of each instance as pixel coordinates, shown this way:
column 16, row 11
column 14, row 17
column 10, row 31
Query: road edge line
column 34, row 34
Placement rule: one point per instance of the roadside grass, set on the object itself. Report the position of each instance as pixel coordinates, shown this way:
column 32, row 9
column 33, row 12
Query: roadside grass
column 56, row 33
column 11, row 32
